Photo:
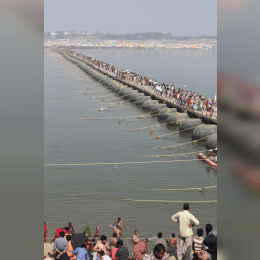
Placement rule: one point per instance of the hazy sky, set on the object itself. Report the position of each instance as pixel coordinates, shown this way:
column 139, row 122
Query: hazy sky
column 179, row 17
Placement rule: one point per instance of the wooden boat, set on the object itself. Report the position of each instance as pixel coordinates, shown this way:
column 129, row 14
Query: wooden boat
column 207, row 160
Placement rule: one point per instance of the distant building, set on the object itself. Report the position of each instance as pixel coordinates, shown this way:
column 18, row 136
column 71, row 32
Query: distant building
column 53, row 34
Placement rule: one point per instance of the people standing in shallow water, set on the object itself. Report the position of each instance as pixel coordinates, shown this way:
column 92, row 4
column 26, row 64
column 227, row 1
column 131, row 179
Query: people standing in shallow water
column 136, row 238
column 113, row 240
column 172, row 248
column 161, row 241
column 118, row 231
column 97, row 233
column 173, row 240
column 71, row 229
column 119, row 222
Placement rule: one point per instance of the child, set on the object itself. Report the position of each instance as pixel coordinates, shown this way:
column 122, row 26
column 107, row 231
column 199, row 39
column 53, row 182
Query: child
column 198, row 244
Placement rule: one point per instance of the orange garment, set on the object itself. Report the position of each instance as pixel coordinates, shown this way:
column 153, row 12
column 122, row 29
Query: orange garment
column 70, row 248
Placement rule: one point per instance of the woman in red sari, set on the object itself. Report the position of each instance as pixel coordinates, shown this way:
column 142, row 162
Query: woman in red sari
column 45, row 232
column 57, row 233
column 140, row 250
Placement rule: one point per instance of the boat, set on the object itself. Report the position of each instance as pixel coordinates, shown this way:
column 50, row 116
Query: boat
column 207, row 160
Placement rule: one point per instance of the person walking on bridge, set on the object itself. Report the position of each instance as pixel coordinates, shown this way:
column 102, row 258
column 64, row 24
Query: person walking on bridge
column 184, row 219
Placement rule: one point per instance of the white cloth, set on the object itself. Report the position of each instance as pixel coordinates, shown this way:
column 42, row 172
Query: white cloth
column 106, row 257
column 185, row 218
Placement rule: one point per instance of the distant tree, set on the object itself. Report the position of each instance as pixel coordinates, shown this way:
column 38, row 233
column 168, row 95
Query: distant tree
column 59, row 35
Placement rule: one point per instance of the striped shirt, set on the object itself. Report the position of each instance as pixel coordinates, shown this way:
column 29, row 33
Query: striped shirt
column 198, row 243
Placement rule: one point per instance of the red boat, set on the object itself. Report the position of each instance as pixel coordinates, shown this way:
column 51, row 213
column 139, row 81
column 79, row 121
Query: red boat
column 207, row 160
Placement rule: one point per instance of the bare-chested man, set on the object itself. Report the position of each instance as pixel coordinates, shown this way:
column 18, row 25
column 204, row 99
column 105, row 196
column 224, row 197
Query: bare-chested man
column 103, row 245
column 97, row 233
column 118, row 231
column 136, row 238
column 173, row 240
column 119, row 222
column 113, row 240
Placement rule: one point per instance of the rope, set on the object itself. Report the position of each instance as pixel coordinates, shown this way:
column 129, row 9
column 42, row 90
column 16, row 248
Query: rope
column 108, row 118
column 175, row 132
column 132, row 200
column 178, row 189
column 86, row 164
column 194, row 141
column 184, row 189
column 170, row 155
column 155, row 125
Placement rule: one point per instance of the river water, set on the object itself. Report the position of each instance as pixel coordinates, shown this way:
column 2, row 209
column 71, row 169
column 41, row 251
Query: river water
column 96, row 195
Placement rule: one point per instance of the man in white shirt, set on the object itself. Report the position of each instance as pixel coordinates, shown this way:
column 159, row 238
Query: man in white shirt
column 185, row 238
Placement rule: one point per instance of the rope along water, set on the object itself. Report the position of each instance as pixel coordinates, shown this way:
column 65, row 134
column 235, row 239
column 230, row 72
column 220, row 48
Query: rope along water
column 174, row 132
column 194, row 141
column 88, row 164
column 132, row 200
column 170, row 155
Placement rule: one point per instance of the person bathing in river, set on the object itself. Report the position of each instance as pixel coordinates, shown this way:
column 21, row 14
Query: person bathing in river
column 173, row 240
column 71, row 229
column 161, row 241
column 119, row 222
column 113, row 240
column 97, row 234
column 118, row 231
column 136, row 238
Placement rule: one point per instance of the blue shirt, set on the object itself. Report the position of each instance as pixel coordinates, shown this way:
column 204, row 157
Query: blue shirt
column 82, row 253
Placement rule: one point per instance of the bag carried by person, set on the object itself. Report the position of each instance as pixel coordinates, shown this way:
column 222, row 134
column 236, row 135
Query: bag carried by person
column 203, row 255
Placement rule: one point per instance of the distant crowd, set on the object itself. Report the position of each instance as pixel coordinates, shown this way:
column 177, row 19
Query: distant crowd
column 70, row 245
column 189, row 99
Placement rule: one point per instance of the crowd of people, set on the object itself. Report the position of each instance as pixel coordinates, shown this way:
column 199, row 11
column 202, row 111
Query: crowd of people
column 68, row 245
column 189, row 99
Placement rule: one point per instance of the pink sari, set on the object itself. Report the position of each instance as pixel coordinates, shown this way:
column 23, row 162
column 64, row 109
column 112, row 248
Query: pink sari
column 139, row 250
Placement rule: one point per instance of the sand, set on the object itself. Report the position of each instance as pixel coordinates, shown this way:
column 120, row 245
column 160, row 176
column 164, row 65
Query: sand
column 48, row 248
